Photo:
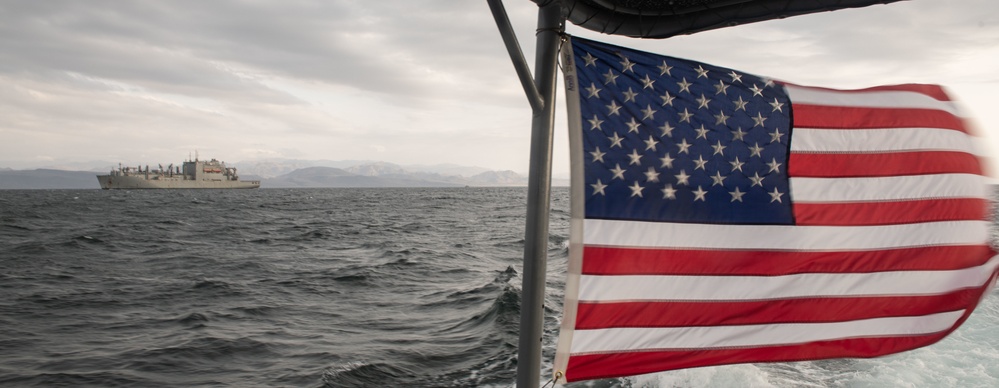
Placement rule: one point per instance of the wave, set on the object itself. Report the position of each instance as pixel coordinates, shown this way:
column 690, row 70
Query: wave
column 18, row 227
column 79, row 379
column 212, row 285
column 192, row 318
column 497, row 317
column 89, row 239
column 362, row 374
column 217, row 288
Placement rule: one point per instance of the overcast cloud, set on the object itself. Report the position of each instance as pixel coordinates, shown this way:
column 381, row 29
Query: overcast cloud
column 408, row 82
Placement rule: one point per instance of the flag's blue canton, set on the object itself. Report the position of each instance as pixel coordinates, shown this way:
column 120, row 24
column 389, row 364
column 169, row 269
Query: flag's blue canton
column 668, row 139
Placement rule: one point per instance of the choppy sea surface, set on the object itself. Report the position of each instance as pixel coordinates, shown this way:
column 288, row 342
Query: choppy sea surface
column 328, row 288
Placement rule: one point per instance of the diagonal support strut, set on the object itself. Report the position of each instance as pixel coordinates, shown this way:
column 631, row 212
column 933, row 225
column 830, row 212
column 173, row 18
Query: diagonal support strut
column 516, row 55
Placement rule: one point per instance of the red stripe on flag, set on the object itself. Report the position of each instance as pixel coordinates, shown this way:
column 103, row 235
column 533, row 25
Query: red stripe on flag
column 890, row 213
column 599, row 366
column 838, row 117
column 729, row 313
column 881, row 164
column 636, row 261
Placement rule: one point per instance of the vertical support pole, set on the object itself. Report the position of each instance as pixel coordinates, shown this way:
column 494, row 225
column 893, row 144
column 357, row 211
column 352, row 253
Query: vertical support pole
column 532, row 313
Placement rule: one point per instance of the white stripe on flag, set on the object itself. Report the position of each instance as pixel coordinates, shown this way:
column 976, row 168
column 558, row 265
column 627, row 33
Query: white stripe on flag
column 630, row 288
column 880, row 140
column 869, row 99
column 782, row 237
column 638, row 339
column 887, row 188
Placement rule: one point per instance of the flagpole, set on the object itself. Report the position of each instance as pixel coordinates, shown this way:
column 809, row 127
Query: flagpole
column 550, row 22
column 541, row 94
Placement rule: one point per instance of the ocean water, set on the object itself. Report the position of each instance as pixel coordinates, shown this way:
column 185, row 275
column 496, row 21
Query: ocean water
column 328, row 288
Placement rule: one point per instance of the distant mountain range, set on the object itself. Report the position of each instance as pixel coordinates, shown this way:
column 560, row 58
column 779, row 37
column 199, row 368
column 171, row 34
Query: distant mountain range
column 271, row 168
column 381, row 175
column 47, row 179
column 298, row 173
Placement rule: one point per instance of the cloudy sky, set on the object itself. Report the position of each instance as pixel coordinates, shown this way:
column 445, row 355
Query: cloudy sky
column 407, row 82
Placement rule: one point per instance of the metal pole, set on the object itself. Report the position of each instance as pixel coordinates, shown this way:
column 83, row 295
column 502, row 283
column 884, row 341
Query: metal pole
column 532, row 313
column 517, row 56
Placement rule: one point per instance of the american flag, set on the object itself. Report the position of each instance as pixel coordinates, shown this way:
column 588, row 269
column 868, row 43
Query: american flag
column 721, row 217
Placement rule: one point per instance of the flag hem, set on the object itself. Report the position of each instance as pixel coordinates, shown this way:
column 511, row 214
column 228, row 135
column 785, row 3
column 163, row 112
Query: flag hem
column 577, row 210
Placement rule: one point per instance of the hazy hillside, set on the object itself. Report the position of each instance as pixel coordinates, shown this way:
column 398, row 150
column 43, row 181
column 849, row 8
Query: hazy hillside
column 272, row 168
column 382, row 174
column 335, row 177
column 47, row 179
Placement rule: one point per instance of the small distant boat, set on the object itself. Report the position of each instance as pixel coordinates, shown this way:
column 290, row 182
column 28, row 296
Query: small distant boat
column 193, row 174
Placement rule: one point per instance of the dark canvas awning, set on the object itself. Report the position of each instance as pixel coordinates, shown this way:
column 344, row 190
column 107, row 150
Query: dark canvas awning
column 666, row 18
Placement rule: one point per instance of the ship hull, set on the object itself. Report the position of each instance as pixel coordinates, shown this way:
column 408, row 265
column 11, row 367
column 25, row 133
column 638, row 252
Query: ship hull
column 109, row 182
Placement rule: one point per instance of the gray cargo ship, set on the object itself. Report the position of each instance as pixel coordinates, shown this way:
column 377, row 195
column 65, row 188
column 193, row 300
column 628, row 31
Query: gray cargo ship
column 193, row 174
